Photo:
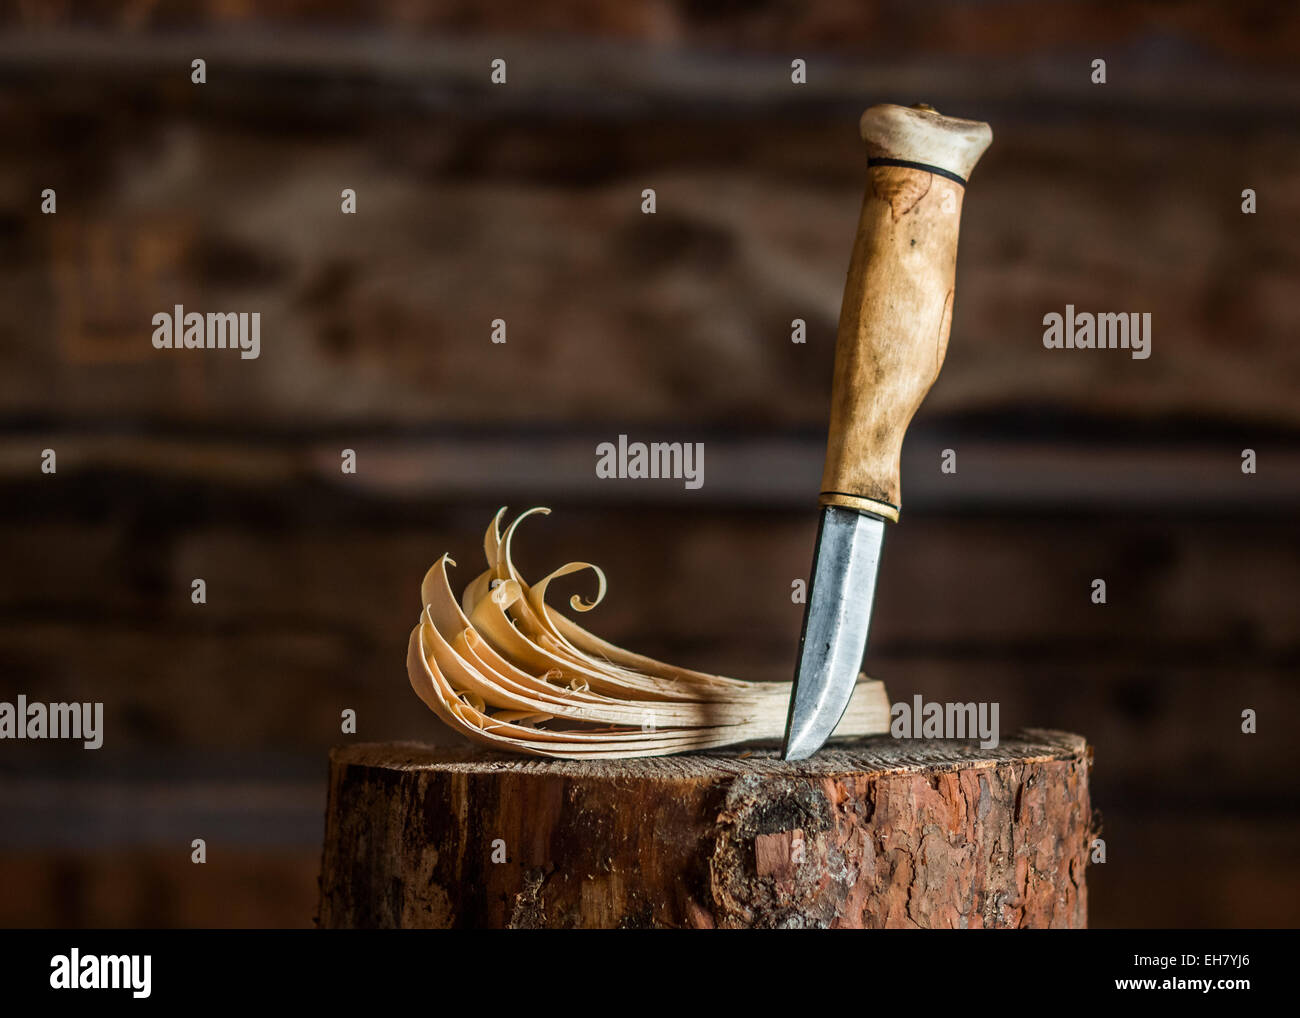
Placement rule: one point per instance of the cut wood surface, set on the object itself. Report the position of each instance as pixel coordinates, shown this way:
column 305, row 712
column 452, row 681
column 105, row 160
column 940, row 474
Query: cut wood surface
column 875, row 833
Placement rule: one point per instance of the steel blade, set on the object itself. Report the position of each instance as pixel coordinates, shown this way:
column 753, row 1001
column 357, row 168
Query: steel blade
column 835, row 626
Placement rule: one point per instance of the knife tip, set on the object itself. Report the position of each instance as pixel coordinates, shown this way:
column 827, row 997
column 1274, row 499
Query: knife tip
column 799, row 745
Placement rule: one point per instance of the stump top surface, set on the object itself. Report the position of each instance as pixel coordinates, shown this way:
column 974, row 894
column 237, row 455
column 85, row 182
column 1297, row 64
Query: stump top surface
column 876, row 755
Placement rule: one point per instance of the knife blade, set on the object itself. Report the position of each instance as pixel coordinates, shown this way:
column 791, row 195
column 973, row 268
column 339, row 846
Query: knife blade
column 892, row 337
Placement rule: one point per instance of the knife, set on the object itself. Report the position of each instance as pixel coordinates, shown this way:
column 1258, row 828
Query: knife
column 892, row 337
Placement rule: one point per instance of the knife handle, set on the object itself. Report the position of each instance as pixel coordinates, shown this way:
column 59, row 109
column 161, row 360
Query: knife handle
column 897, row 308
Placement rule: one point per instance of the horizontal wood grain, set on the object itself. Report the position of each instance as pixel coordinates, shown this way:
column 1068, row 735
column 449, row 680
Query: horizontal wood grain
column 409, row 472
column 1256, row 30
column 308, row 613
column 471, row 213
column 159, row 888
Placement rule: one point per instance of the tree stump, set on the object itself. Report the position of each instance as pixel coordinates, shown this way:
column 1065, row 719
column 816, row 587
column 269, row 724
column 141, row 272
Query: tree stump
column 873, row 833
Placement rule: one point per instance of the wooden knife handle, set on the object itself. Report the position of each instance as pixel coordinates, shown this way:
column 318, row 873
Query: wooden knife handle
column 898, row 298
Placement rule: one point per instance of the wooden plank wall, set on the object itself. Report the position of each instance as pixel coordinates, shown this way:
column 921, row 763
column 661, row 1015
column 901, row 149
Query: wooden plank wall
column 522, row 202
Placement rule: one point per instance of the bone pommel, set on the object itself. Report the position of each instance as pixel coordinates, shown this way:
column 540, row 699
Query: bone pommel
column 924, row 136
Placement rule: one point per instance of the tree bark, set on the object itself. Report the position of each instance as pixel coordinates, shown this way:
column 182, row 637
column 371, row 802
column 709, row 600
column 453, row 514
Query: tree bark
column 874, row 833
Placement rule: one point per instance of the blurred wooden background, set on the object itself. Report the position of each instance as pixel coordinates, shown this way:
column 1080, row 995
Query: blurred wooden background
column 522, row 202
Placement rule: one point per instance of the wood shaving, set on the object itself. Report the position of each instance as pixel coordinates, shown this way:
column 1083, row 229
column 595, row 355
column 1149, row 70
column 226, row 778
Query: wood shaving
column 507, row 670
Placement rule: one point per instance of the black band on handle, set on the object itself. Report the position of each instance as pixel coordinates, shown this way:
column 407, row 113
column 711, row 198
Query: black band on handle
column 881, row 161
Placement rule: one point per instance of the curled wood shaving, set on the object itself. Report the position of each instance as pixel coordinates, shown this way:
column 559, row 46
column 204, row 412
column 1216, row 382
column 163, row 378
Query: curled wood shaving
column 505, row 669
